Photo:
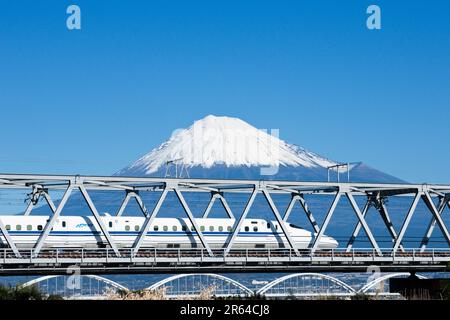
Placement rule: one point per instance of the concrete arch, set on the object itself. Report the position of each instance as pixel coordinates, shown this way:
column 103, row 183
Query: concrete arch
column 385, row 277
column 161, row 283
column 98, row 278
column 272, row 284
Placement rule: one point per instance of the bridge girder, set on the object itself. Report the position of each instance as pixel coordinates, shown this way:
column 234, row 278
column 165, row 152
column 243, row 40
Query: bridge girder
column 133, row 187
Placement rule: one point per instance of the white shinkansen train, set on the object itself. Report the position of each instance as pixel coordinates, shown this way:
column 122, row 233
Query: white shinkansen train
column 84, row 231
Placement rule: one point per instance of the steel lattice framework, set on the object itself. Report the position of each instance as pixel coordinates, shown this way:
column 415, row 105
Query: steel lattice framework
column 133, row 187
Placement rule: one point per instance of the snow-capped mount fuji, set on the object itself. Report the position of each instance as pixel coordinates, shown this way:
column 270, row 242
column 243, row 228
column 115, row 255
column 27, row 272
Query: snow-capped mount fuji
column 225, row 141
column 230, row 148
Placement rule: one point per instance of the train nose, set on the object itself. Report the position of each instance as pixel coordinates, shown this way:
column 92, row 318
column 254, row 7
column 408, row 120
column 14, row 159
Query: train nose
column 329, row 242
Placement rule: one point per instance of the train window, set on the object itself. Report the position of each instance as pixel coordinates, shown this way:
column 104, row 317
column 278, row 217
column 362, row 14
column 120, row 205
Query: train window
column 184, row 228
column 29, row 227
column 229, row 228
column 255, row 229
column 110, row 224
column 254, row 222
column 136, row 228
column 18, row 227
column 202, row 228
column 155, row 228
column 174, row 228
column 63, row 224
column 8, row 227
column 220, row 228
column 127, row 228
column 192, row 228
column 268, row 225
column 39, row 227
column 211, row 228
column 247, row 229
column 165, row 228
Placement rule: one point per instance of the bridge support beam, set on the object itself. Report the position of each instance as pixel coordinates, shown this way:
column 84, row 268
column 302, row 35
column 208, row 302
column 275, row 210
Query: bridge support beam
column 8, row 239
column 191, row 217
column 238, row 224
column 443, row 202
column 406, row 221
column 139, row 201
column 325, row 223
column 99, row 220
column 304, row 205
column 124, row 204
column 382, row 210
column 148, row 221
column 437, row 216
column 388, row 222
column 363, row 222
column 49, row 225
column 357, row 227
column 280, row 221
column 39, row 193
column 214, row 197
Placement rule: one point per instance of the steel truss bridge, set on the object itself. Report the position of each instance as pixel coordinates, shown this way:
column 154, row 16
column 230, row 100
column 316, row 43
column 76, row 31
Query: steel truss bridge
column 41, row 260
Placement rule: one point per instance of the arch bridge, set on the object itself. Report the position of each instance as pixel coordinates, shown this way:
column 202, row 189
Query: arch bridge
column 73, row 287
column 207, row 286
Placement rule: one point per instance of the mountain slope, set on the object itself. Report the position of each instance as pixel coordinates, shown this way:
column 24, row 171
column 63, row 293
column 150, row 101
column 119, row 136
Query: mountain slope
column 229, row 148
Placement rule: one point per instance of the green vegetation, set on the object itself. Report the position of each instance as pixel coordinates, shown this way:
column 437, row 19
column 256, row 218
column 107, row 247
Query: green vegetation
column 24, row 293
column 363, row 296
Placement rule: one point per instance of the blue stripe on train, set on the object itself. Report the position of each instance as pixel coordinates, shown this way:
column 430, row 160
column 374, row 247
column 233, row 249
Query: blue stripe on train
column 160, row 233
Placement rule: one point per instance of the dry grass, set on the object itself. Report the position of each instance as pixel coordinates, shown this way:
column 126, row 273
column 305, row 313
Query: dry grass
column 158, row 294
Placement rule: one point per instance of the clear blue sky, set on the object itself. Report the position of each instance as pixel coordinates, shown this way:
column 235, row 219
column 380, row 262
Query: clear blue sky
column 92, row 101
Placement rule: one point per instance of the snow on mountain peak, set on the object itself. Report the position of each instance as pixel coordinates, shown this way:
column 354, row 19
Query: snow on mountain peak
column 226, row 141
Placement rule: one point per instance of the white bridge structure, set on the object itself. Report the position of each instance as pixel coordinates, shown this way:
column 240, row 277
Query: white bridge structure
column 204, row 285
column 41, row 259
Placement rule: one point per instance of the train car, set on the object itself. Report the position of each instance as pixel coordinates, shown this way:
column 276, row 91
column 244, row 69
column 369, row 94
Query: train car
column 84, row 232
